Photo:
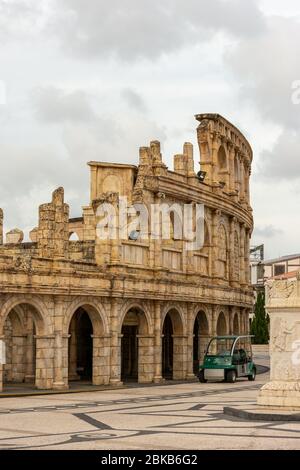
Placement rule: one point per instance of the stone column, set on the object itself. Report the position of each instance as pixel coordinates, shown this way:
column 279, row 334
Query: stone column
column 101, row 358
column 30, row 353
column 215, row 148
column 115, row 348
column 44, row 361
column 73, row 353
column 247, row 257
column 215, row 243
column 145, row 361
column 190, row 342
column 283, row 307
column 242, row 255
column 58, row 376
column 231, row 157
column 18, row 358
column 233, row 275
column 179, row 357
column 157, row 343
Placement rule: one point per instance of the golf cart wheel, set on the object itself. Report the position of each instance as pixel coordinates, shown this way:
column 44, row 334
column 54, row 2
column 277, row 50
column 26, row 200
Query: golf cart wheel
column 231, row 376
column 202, row 379
column 252, row 376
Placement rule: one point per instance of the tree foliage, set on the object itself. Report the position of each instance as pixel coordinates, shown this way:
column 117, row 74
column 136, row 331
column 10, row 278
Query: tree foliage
column 260, row 322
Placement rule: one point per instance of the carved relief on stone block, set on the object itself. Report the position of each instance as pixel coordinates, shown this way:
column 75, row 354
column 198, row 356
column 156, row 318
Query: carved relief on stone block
column 281, row 289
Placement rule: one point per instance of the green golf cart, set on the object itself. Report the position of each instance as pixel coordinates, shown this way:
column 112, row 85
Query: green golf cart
column 227, row 358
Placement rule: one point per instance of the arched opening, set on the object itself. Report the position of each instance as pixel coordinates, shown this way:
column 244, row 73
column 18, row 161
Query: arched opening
column 236, row 324
column 87, row 358
column 19, row 328
column 200, row 339
column 173, row 366
column 167, row 348
column 73, row 237
column 80, row 346
column 221, row 325
column 222, row 159
column 135, row 347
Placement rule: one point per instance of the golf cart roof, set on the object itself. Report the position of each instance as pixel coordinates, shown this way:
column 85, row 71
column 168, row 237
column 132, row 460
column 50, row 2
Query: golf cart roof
column 233, row 336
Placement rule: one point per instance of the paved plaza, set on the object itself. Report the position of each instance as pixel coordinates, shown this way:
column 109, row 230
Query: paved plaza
column 181, row 416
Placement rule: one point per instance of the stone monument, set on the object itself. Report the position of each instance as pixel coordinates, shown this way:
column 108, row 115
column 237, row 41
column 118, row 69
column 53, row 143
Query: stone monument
column 283, row 307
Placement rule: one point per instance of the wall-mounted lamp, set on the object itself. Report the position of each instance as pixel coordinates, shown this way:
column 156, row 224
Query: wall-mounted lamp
column 201, row 176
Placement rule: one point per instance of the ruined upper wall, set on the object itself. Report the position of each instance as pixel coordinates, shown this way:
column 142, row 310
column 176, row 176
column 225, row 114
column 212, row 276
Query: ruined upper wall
column 111, row 177
column 226, row 155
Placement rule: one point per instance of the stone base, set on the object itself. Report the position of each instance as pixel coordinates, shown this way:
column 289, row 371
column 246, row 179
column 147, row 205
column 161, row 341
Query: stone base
column 115, row 382
column 29, row 379
column 60, row 386
column 279, row 393
column 158, row 380
column 259, row 413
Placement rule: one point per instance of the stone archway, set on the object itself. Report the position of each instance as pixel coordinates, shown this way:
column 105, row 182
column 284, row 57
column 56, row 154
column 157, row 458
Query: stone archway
column 173, row 346
column 80, row 356
column 87, row 357
column 200, row 339
column 22, row 328
column 221, row 325
column 136, row 347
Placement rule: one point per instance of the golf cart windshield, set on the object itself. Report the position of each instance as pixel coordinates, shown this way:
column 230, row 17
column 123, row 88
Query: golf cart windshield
column 220, row 347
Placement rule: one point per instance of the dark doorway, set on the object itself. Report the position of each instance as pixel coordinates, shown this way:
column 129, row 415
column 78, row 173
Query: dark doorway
column 82, row 356
column 167, row 348
column 196, row 348
column 129, row 353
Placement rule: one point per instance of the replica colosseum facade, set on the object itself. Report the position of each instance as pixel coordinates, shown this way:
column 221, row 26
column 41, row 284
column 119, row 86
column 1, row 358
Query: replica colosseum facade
column 108, row 311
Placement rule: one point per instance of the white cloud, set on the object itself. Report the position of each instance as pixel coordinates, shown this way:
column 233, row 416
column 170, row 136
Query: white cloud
column 135, row 29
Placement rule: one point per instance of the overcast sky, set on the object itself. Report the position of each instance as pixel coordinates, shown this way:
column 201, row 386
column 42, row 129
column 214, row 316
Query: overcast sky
column 95, row 80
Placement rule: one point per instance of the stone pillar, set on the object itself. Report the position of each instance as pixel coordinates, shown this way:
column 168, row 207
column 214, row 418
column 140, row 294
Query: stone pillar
column 215, row 148
column 231, row 318
column 247, row 257
column 145, row 361
column 242, row 256
column 231, row 156
column 101, row 358
column 115, row 349
column 58, row 376
column 190, row 342
column 233, row 274
column 18, row 358
column 283, row 307
column 44, row 361
column 72, row 360
column 157, row 343
column 179, row 357
column 30, row 351
column 215, row 243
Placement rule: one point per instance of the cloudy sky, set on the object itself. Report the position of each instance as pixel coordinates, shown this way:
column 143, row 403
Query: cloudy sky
column 95, row 80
